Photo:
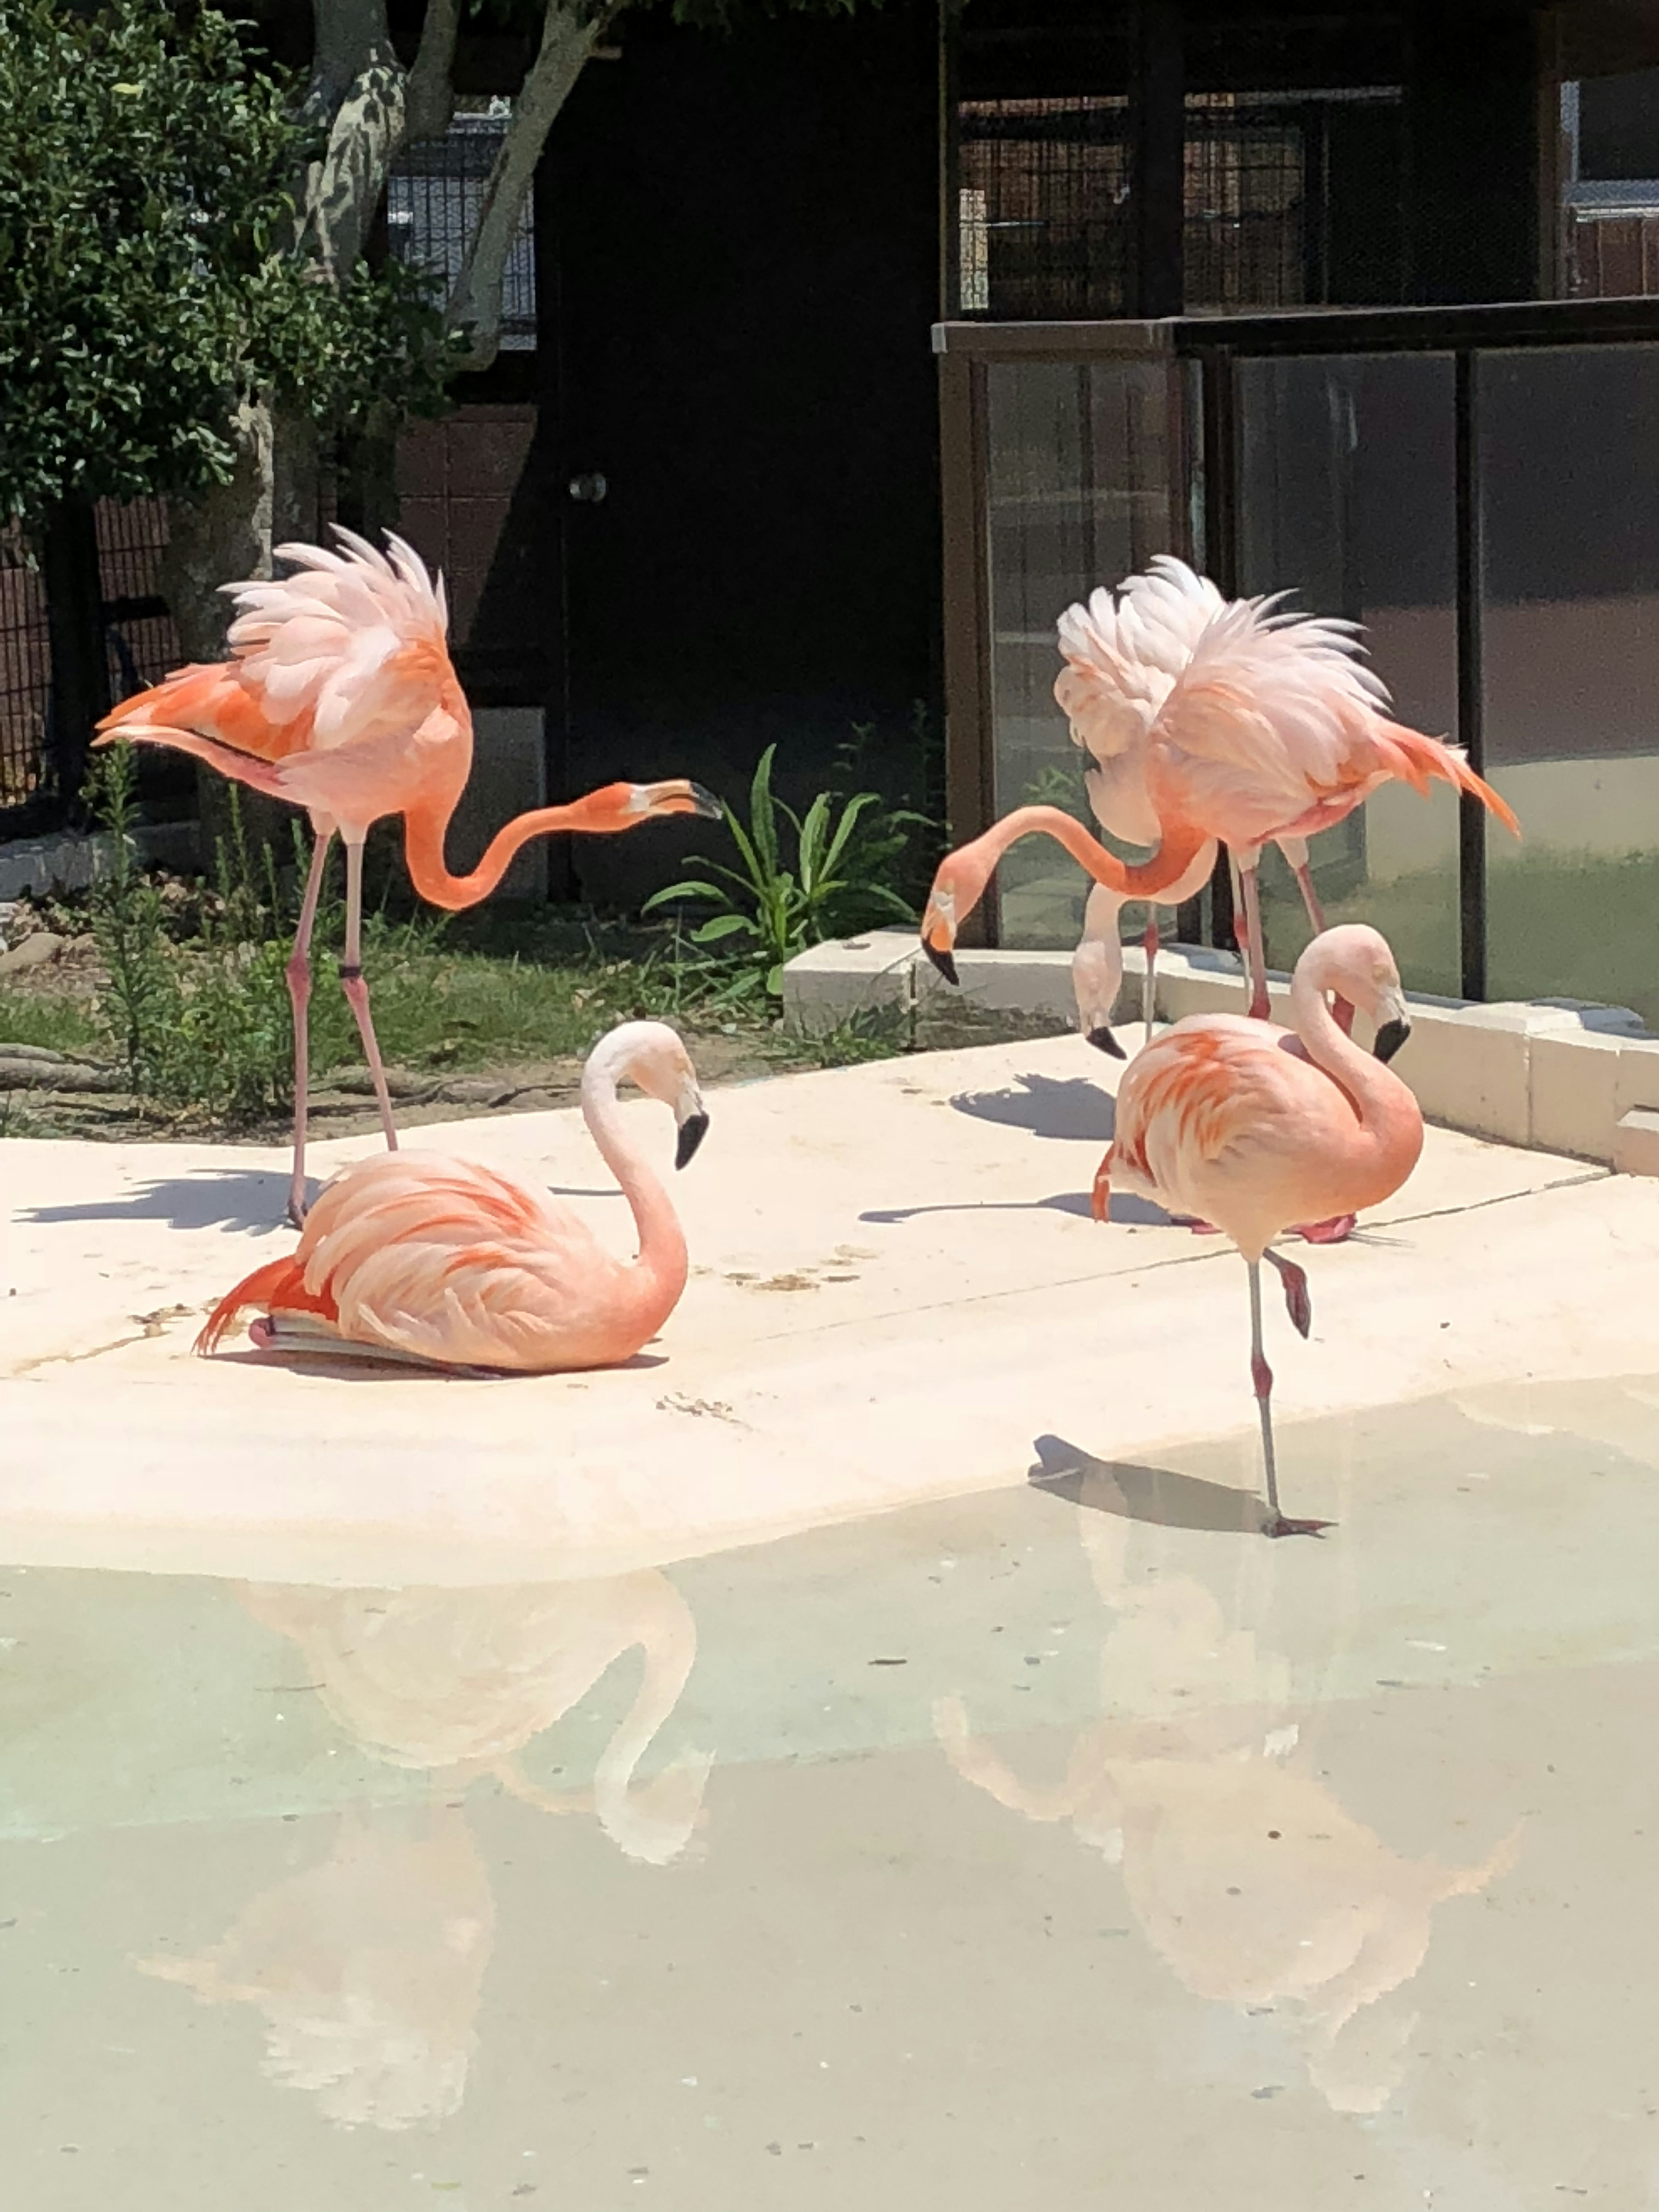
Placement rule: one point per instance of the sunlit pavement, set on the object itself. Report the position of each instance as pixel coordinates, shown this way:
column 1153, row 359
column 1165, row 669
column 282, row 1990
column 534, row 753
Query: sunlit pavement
column 1016, row 1827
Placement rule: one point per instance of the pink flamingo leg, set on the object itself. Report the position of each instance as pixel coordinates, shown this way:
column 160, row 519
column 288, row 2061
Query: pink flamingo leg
column 1298, row 1301
column 1149, row 988
column 298, row 972
column 1254, row 946
column 1261, row 1378
column 356, row 991
column 1340, row 1008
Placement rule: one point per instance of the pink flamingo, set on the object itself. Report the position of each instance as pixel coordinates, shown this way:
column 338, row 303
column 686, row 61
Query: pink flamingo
column 1253, row 726
column 418, row 1257
column 960, row 880
column 340, row 698
column 1256, row 1127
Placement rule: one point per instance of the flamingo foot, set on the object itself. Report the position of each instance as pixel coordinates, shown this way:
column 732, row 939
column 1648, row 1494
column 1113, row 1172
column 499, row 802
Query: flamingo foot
column 1336, row 1230
column 298, row 1207
column 1279, row 1524
column 1191, row 1221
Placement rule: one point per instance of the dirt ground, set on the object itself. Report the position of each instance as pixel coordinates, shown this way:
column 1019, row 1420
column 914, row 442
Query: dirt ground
column 46, row 1102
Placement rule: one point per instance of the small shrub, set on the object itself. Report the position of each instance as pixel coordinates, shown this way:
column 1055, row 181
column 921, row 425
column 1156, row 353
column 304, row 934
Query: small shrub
column 777, row 902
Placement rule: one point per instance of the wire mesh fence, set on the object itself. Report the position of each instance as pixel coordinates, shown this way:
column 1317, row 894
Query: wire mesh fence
column 1045, row 215
column 25, row 675
column 435, row 199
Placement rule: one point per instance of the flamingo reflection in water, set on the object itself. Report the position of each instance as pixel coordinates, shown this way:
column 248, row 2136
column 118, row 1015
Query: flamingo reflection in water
column 369, row 1967
column 1245, row 1874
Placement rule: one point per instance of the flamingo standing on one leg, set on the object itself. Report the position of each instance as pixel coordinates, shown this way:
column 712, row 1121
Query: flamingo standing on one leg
column 340, row 698
column 418, row 1257
column 1256, row 1127
column 1254, row 726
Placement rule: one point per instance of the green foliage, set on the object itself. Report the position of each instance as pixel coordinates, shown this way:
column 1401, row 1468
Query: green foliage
column 149, row 280
column 212, row 1032
column 139, row 1008
column 899, row 845
column 775, row 903
column 1054, row 786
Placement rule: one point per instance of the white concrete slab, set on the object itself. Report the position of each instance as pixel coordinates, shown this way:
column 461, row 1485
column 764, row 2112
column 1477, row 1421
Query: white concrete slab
column 896, row 1287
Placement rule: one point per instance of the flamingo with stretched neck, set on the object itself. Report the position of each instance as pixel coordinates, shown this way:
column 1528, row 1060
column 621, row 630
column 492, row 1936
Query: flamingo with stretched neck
column 418, row 1257
column 1256, row 1128
column 340, row 698
column 960, row 880
column 1251, row 724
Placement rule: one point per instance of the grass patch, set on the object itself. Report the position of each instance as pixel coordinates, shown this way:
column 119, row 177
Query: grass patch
column 55, row 1023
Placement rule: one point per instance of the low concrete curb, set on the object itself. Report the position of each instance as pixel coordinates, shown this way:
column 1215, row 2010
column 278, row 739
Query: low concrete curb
column 1555, row 1075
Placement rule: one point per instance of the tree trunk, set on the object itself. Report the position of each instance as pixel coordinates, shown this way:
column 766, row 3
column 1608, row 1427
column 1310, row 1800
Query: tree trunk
column 474, row 304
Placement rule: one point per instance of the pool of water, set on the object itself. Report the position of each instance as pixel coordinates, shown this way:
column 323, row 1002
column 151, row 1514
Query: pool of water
column 1067, row 1846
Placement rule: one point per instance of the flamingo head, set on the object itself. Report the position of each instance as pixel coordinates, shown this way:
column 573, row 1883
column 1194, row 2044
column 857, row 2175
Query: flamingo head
column 1354, row 961
column 957, row 892
column 625, row 805
column 654, row 1056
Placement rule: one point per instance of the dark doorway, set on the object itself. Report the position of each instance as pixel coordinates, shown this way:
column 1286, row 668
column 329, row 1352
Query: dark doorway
column 746, row 237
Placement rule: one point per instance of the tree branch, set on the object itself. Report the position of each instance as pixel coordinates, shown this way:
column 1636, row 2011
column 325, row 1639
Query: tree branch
column 569, row 36
column 431, row 88
column 358, row 88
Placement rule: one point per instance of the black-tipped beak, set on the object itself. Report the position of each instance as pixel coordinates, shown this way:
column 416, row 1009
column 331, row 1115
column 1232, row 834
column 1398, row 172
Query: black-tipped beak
column 1103, row 1040
column 705, row 803
column 1389, row 1038
column 693, row 1130
column 945, row 962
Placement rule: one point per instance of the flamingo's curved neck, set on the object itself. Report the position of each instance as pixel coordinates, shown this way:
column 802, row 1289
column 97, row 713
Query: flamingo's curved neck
column 662, row 1267
column 1148, row 879
column 668, row 1646
column 424, row 827
column 1386, row 1109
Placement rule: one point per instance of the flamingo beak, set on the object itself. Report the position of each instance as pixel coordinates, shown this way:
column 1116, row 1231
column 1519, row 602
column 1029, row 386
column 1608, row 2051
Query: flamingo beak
column 938, row 935
column 677, row 796
column 693, row 1119
column 1392, row 1026
column 1102, row 1041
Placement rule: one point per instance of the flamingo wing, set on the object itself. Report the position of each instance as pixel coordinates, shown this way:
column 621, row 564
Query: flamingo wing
column 1208, row 1089
column 350, row 648
column 453, row 1262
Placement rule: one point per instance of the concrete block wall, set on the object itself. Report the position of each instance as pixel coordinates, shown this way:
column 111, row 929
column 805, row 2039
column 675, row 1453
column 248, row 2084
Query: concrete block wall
column 1554, row 1076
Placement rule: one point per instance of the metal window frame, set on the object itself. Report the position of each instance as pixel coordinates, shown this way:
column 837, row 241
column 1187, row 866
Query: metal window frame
column 967, row 351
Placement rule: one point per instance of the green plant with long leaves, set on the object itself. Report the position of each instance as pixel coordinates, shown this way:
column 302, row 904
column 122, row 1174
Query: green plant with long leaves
column 776, row 902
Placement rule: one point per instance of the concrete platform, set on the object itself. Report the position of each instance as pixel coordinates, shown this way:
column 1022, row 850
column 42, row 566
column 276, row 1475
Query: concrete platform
column 1559, row 1074
column 896, row 1289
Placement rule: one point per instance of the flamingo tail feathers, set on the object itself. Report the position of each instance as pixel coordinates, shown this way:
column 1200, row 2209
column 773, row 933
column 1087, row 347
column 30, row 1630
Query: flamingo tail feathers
column 242, row 768
column 1420, row 758
column 279, row 1283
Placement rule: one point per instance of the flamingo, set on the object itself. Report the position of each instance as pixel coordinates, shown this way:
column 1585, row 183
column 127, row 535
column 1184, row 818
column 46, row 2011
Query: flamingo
column 1256, row 1128
column 959, row 885
column 418, row 1257
column 340, row 698
column 1253, row 726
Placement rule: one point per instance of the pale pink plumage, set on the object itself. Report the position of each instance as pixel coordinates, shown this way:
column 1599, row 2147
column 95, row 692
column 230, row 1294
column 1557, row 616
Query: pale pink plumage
column 1239, row 719
column 428, row 1258
column 1256, row 1128
column 340, row 696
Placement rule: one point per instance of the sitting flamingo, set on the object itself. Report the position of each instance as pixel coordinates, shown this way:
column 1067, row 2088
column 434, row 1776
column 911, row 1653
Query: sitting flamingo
column 434, row 1260
column 1251, row 725
column 340, row 698
column 1256, row 1127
